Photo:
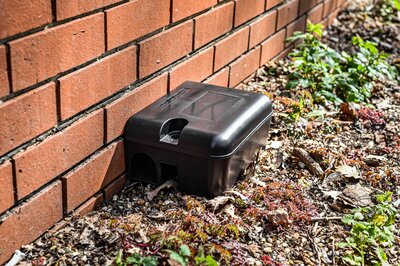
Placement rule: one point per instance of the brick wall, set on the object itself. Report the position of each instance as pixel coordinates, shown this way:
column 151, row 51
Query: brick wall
column 72, row 73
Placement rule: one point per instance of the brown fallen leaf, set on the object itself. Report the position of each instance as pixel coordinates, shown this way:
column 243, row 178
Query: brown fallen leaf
column 356, row 195
column 167, row 184
column 310, row 163
column 279, row 217
column 219, row 202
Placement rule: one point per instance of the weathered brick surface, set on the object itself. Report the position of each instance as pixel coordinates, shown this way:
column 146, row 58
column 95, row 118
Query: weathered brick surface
column 118, row 112
column 231, row 48
column 91, row 84
column 287, row 13
column 244, row 66
column 315, row 14
column 42, row 162
column 83, row 182
column 26, row 116
column 29, row 221
column 213, row 24
column 4, row 83
column 115, row 187
column 22, row 15
column 329, row 7
column 132, row 20
column 297, row 25
column 90, row 205
column 164, row 48
column 70, row 8
column 273, row 3
column 6, row 188
column 195, row 69
column 221, row 78
column 272, row 46
column 247, row 9
column 333, row 16
column 42, row 55
column 262, row 28
column 184, row 8
column 306, row 5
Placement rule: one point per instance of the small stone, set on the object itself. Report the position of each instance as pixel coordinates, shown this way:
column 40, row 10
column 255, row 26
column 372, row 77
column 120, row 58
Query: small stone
column 267, row 250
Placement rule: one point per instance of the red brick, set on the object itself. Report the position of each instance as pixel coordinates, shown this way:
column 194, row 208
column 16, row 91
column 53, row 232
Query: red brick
column 165, row 48
column 332, row 16
column 95, row 173
column 273, row 46
column 26, row 116
column 115, row 187
column 329, row 7
column 262, row 28
column 44, row 54
column 315, row 15
column 71, row 8
column 196, row 68
column 247, row 9
column 244, row 66
column 31, row 220
column 221, row 78
column 22, row 15
column 41, row 163
column 306, row 5
column 6, row 188
column 283, row 54
column 91, row 84
column 287, row 13
column 90, row 205
column 272, row 3
column 342, row 3
column 184, row 8
column 4, row 83
column 134, row 19
column 231, row 48
column 213, row 24
column 118, row 112
column 297, row 25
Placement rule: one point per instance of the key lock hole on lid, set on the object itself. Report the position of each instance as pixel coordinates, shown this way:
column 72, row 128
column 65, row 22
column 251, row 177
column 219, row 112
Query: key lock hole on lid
column 171, row 130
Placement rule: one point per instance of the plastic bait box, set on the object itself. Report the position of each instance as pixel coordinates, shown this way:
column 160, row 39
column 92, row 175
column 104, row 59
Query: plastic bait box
column 200, row 135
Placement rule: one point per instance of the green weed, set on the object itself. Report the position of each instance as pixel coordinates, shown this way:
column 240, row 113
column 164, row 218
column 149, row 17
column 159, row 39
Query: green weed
column 372, row 229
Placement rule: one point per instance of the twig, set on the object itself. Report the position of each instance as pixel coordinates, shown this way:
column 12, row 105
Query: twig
column 312, row 239
column 333, row 252
column 332, row 218
column 311, row 164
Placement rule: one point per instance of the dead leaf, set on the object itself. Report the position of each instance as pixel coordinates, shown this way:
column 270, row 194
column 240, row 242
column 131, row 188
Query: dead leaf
column 374, row 160
column 356, row 195
column 279, row 217
column 167, row 184
column 349, row 171
column 219, row 202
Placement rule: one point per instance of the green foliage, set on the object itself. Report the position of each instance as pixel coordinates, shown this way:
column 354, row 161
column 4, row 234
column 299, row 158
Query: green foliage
column 334, row 76
column 135, row 260
column 182, row 256
column 372, row 229
column 202, row 260
column 387, row 9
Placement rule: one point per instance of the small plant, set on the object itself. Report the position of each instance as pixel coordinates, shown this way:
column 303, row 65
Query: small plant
column 387, row 9
column 135, row 260
column 182, row 256
column 334, row 76
column 372, row 229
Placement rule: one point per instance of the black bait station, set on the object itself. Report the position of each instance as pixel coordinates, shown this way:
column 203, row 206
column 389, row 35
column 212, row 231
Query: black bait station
column 203, row 136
